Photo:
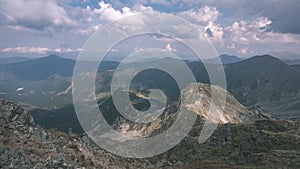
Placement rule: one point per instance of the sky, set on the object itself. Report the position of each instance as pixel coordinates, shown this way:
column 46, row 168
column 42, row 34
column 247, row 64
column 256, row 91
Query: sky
column 35, row 28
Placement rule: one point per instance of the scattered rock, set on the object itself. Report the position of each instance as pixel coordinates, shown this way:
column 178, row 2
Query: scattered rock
column 263, row 144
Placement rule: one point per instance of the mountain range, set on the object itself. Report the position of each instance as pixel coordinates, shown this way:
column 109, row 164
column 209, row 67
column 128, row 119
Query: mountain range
column 9, row 60
column 258, row 81
column 263, row 80
column 225, row 59
column 40, row 69
column 296, row 67
column 264, row 77
column 44, row 132
column 45, row 67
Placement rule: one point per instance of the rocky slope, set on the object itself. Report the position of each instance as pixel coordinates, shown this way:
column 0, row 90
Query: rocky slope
column 263, row 144
column 234, row 112
column 25, row 145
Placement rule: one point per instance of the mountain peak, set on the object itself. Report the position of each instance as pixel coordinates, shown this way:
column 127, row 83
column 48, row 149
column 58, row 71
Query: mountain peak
column 52, row 57
column 263, row 60
column 225, row 59
column 42, row 68
column 264, row 57
column 228, row 56
column 233, row 112
column 262, row 79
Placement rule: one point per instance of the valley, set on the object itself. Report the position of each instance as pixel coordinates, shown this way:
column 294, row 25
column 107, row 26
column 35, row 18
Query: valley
column 258, row 126
column 149, row 84
column 260, row 81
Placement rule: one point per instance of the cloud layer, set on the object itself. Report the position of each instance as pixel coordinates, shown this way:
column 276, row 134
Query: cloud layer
column 242, row 28
column 35, row 14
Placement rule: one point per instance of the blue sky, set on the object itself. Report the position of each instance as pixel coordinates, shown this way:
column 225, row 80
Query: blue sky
column 34, row 28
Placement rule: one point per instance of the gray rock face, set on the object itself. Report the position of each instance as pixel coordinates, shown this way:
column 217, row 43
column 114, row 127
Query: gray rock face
column 25, row 145
column 233, row 112
column 12, row 115
column 263, row 144
column 200, row 103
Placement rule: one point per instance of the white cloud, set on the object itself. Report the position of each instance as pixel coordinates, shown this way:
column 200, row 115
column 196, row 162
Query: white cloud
column 203, row 15
column 114, row 50
column 243, row 50
column 35, row 14
column 39, row 50
column 142, row 9
column 83, row 15
column 108, row 13
column 170, row 48
column 241, row 35
column 89, row 30
column 63, row 50
column 238, row 36
column 36, row 50
column 253, row 37
column 245, row 32
column 244, row 37
column 215, row 31
column 90, row 19
column 138, row 49
column 79, row 49
column 285, row 13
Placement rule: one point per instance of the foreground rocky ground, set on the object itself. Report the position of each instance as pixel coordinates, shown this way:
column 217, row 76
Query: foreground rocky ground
column 263, row 144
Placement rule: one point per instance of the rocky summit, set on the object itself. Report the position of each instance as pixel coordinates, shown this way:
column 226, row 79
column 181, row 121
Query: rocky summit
column 261, row 144
column 200, row 103
column 231, row 111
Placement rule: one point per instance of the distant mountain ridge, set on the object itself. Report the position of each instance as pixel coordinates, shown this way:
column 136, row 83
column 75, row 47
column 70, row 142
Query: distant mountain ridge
column 224, row 58
column 9, row 60
column 296, row 67
column 234, row 112
column 287, row 57
column 267, row 82
column 41, row 68
column 45, row 67
column 262, row 78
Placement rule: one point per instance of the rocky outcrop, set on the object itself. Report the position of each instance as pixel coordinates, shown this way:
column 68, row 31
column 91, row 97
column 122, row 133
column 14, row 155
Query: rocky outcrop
column 200, row 103
column 25, row 145
column 12, row 115
column 230, row 111
column 263, row 144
